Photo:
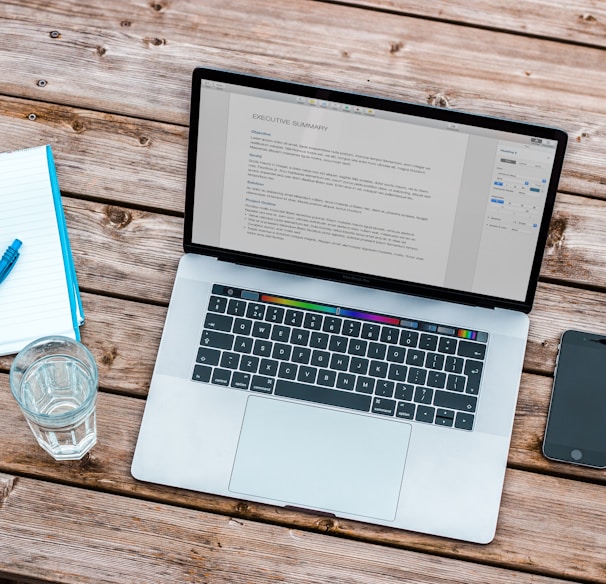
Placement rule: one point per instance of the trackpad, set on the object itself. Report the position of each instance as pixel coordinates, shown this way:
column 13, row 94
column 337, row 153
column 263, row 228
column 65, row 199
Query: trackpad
column 313, row 457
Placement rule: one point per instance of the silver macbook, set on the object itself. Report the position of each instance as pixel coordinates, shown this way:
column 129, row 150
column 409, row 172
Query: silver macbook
column 348, row 323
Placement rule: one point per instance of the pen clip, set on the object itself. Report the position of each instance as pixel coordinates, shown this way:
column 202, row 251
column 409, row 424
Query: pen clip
column 9, row 259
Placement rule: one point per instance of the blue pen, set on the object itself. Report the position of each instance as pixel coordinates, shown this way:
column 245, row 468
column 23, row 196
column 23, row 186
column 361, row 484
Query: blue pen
column 9, row 259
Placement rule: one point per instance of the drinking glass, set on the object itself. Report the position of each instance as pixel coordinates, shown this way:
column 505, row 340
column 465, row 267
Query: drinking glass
column 54, row 380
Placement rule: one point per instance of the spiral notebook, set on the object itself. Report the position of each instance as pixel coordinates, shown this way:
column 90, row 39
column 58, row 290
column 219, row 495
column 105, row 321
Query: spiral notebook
column 40, row 296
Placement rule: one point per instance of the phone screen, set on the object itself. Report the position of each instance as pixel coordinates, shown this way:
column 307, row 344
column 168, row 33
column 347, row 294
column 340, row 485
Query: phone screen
column 576, row 424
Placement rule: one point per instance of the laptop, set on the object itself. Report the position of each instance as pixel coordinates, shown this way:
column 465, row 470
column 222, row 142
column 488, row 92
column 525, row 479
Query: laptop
column 348, row 322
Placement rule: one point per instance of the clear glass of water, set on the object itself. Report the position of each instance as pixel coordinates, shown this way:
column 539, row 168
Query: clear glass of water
column 54, row 380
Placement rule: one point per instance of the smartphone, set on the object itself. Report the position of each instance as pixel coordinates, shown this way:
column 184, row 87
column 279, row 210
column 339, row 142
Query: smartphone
column 576, row 423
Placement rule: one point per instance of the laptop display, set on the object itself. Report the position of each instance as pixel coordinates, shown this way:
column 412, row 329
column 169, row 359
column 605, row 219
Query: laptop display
column 377, row 193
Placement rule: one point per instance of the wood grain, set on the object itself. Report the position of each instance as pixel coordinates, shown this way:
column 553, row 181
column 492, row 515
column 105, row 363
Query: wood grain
column 124, row 540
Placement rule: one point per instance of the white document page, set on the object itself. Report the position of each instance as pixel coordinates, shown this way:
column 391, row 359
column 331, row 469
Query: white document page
column 341, row 189
column 34, row 298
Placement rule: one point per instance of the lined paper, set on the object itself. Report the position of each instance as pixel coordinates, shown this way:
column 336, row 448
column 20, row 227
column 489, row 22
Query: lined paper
column 39, row 297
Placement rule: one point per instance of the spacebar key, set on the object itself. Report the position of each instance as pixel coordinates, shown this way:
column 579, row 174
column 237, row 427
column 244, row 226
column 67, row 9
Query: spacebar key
column 321, row 395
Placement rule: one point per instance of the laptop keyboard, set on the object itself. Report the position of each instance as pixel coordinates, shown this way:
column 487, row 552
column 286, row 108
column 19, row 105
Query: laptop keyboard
column 341, row 357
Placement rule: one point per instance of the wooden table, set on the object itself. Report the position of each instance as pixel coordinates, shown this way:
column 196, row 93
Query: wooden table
column 107, row 85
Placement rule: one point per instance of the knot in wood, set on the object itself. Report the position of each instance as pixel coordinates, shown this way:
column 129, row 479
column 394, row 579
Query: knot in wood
column 439, row 100
column 242, row 508
column 109, row 356
column 396, row 47
column 326, row 525
column 55, row 34
column 588, row 17
column 78, row 126
column 555, row 237
column 118, row 217
column 125, row 23
column 156, row 6
column 144, row 141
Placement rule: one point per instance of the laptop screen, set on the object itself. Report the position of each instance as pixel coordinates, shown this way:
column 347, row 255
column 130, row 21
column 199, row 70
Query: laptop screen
column 370, row 191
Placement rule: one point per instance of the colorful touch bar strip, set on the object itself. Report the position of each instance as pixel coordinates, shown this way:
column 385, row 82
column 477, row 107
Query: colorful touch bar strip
column 466, row 334
column 298, row 304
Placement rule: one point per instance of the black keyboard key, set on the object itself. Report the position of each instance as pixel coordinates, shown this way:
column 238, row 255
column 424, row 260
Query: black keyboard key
column 281, row 351
column 396, row 354
column 455, row 401
column 261, row 330
column 202, row 373
column 255, row 311
column 242, row 326
column 346, row 381
column 280, row 333
column 358, row 365
column 262, row 348
column 207, row 356
column 312, row 321
column 383, row 406
column 405, row 410
column 218, row 322
column 240, row 380
column 454, row 364
column 409, row 338
column 444, row 418
column 287, row 371
column 307, row 374
column 293, row 318
column 299, row 337
column 434, row 361
column 378, row 369
column 221, row 377
column 274, row 314
column 447, row 345
column 390, row 335
column 415, row 357
column 464, row 421
column 230, row 360
column 318, row 340
column 455, row 382
column 384, row 388
column 397, row 372
column 423, row 395
column 332, row 325
column 365, row 385
column 338, row 344
column 371, row 332
column 428, row 342
column 320, row 358
column 351, row 328
column 236, row 307
column 376, row 351
column 326, row 377
column 323, row 395
column 472, row 350
column 404, row 391
column 217, row 304
column 339, row 362
column 249, row 364
column 357, row 347
column 473, row 370
column 243, row 344
column 301, row 355
column 436, row 379
column 425, row 414
column 269, row 367
column 417, row 376
column 262, row 384
column 217, row 340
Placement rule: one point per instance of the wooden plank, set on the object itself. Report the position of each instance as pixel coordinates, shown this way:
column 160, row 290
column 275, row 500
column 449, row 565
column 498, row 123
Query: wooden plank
column 577, row 21
column 103, row 156
column 538, row 529
column 59, row 532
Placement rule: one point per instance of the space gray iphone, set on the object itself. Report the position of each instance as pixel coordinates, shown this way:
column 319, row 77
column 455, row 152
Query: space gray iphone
column 576, row 425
